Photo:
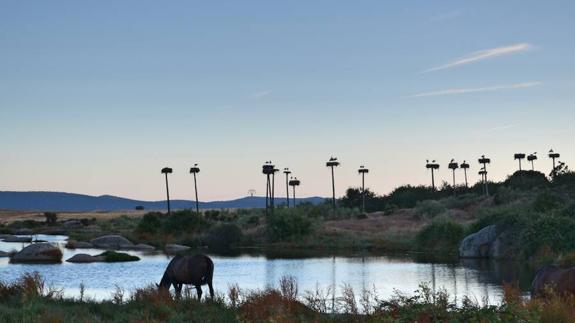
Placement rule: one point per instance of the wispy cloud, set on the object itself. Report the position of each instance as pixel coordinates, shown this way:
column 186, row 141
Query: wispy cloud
column 477, row 89
column 446, row 16
column 484, row 54
column 259, row 95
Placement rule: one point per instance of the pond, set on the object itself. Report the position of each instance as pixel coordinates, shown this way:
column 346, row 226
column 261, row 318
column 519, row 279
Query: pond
column 479, row 280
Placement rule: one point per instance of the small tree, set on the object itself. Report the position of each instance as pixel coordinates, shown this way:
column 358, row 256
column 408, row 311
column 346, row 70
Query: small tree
column 51, row 218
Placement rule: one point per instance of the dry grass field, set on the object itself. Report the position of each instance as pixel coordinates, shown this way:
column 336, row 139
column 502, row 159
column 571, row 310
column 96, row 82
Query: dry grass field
column 8, row 216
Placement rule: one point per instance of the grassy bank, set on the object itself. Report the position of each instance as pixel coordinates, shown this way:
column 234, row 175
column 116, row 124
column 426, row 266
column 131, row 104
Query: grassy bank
column 28, row 300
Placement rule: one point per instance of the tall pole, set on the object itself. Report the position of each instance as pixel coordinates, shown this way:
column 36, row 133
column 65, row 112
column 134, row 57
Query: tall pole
column 433, row 166
column 168, row 194
column 333, row 188
column 194, row 170
column 293, row 183
column 166, row 171
column 553, row 155
column 362, row 170
column 332, row 163
column 362, row 192
column 465, row 166
column 287, row 172
column 453, row 166
column 484, row 161
column 196, row 189
column 269, row 169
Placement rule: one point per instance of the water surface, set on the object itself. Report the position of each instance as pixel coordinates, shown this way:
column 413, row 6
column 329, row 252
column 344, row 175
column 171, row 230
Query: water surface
column 479, row 280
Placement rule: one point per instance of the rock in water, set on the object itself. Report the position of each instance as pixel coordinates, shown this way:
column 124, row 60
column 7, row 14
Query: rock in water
column 478, row 244
column 38, row 253
column 85, row 258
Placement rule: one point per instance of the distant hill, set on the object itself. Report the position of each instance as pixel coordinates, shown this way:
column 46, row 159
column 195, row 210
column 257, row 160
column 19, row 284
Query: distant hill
column 70, row 202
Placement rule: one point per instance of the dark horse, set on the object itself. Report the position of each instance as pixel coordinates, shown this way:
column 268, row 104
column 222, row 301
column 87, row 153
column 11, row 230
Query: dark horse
column 195, row 270
column 562, row 281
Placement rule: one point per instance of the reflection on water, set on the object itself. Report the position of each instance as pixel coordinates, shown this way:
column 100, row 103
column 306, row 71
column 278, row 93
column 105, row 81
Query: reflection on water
column 478, row 279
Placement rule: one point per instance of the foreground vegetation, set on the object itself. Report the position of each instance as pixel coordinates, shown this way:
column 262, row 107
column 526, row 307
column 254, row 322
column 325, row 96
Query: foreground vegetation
column 28, row 300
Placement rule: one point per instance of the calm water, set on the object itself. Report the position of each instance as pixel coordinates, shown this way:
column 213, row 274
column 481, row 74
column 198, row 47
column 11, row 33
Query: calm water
column 481, row 280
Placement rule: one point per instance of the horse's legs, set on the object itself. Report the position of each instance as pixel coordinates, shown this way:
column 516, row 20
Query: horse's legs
column 199, row 290
column 211, row 289
column 178, row 288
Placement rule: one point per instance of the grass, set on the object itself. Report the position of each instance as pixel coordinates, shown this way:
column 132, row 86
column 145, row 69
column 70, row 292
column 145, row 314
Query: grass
column 28, row 300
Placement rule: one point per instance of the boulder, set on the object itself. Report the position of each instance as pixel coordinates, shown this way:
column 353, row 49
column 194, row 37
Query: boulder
column 85, row 258
column 38, row 253
column 112, row 241
column 18, row 239
column 478, row 244
column 504, row 246
column 71, row 224
column 175, row 248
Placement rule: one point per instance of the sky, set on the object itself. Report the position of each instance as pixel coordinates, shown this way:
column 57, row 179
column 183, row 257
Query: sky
column 96, row 97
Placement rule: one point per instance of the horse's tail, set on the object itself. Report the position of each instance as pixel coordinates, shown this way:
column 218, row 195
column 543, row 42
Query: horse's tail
column 210, row 273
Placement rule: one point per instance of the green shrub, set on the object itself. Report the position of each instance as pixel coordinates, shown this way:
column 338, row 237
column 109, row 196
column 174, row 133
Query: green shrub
column 184, row 221
column 223, row 236
column 440, row 236
column 150, row 223
column 555, row 232
column 547, row 201
column 51, row 218
column 288, row 223
column 526, row 179
column 461, row 201
column 429, row 208
column 505, row 195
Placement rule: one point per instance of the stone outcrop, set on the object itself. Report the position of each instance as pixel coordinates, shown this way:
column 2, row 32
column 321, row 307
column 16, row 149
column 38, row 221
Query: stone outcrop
column 38, row 253
column 85, row 258
column 477, row 245
column 488, row 243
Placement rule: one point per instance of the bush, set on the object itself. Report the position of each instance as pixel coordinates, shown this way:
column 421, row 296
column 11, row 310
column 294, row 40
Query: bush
column 51, row 218
column 554, row 232
column 547, row 201
column 440, row 236
column 505, row 195
column 288, row 223
column 150, row 223
column 526, row 179
column 429, row 208
column 223, row 236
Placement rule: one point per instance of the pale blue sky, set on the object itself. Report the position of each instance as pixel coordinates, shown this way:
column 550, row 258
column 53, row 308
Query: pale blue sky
column 97, row 97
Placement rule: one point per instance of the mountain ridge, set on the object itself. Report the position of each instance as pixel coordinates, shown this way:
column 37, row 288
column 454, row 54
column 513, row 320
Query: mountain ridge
column 74, row 202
